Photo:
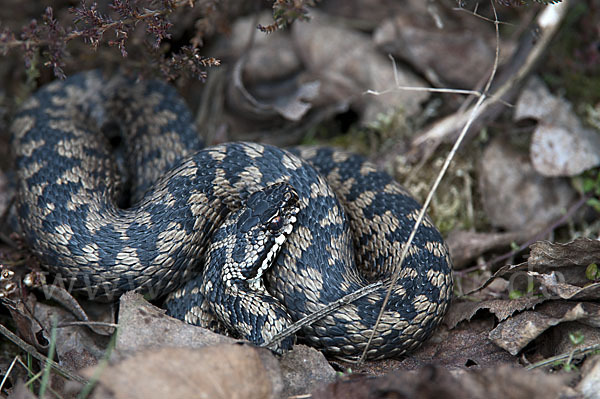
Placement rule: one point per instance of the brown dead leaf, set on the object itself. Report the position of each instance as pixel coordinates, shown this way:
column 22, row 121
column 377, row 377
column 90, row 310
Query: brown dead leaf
column 551, row 286
column 76, row 346
column 466, row 346
column 142, row 325
column 467, row 58
column 347, row 64
column 516, row 332
column 22, row 313
column 304, row 369
column 589, row 385
column 289, row 99
column 579, row 252
column 467, row 245
column 501, row 308
column 514, row 195
column 435, row 382
column 222, row 371
column 561, row 269
column 561, row 145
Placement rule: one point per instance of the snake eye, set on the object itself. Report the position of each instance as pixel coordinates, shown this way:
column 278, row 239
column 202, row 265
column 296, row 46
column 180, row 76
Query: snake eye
column 276, row 223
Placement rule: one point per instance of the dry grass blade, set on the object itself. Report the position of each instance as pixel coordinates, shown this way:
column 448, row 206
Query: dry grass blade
column 8, row 371
column 565, row 356
column 295, row 327
column 483, row 98
column 33, row 352
column 439, row 178
column 51, row 351
column 549, row 20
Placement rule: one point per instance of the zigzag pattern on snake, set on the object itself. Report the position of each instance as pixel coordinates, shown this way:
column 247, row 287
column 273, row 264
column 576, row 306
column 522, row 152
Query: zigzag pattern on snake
column 351, row 225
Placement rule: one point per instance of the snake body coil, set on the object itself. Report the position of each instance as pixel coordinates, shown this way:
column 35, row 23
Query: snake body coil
column 351, row 225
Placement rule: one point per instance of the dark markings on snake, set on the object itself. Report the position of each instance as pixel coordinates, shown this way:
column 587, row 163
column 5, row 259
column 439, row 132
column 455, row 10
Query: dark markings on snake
column 206, row 228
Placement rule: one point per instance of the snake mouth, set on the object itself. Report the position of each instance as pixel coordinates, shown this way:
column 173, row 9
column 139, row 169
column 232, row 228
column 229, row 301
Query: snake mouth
column 256, row 281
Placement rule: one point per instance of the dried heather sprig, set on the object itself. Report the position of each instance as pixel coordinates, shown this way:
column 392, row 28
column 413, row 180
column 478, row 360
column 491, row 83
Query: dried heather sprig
column 287, row 11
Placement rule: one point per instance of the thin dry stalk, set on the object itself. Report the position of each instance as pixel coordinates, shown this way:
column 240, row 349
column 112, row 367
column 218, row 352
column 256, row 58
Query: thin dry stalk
column 474, row 113
column 33, row 352
column 439, row 178
column 12, row 364
column 549, row 21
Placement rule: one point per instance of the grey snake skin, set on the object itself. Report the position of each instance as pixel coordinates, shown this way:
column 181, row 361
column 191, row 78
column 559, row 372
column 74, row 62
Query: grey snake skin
column 352, row 220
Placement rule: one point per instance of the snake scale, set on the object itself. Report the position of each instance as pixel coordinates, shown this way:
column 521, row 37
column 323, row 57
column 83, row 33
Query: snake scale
column 345, row 221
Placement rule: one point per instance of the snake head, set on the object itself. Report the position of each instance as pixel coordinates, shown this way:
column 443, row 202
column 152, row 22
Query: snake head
column 254, row 234
column 271, row 214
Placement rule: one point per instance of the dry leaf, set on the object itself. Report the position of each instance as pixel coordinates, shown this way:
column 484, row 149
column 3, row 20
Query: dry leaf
column 514, row 195
column 516, row 332
column 76, row 346
column 435, row 382
column 467, row 58
column 224, row 371
column 561, row 145
column 467, row 345
column 551, row 287
column 589, row 385
column 347, row 64
column 304, row 369
column 579, row 252
column 563, row 270
column 142, row 325
column 501, row 308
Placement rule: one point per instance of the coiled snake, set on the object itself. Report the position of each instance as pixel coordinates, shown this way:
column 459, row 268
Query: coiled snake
column 178, row 232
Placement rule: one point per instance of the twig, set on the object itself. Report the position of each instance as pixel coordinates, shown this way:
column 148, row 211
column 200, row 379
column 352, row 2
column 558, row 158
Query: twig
column 433, row 189
column 566, row 355
column 476, row 14
column 87, row 324
column 324, row 311
column 548, row 22
column 12, row 364
column 557, row 223
column 426, row 89
column 33, row 352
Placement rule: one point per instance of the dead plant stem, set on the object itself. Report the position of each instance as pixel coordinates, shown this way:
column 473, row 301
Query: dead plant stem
column 439, row 178
column 567, row 355
column 33, row 352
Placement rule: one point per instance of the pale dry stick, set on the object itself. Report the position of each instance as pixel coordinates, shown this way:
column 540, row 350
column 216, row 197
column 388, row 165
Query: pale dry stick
column 295, row 327
column 548, row 21
column 33, row 352
column 12, row 364
column 437, row 182
column 568, row 355
column 319, row 314
column 87, row 324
